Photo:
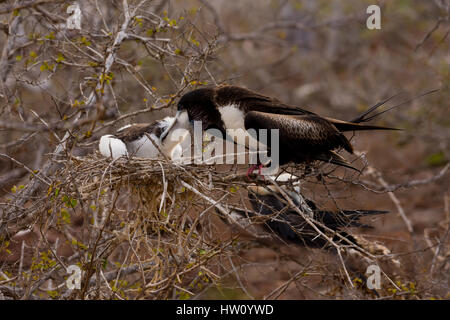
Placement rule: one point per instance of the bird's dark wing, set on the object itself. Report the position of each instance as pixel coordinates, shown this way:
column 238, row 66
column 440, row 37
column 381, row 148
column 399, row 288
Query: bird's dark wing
column 253, row 101
column 136, row 131
column 307, row 132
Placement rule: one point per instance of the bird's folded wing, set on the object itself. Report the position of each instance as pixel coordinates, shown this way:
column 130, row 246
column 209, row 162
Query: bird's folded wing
column 135, row 131
column 308, row 131
column 251, row 100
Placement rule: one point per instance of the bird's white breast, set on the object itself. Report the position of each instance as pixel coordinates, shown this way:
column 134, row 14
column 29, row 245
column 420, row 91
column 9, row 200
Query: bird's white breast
column 232, row 117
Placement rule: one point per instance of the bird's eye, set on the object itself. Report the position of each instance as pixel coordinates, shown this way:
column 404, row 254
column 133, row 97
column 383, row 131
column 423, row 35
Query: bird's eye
column 180, row 107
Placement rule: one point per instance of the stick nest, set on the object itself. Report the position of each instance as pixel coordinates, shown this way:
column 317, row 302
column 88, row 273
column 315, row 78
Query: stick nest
column 137, row 229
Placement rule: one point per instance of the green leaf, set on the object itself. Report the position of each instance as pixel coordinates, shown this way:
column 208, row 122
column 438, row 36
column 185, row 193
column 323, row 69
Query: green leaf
column 194, row 41
column 184, row 295
column 60, row 58
column 50, row 36
column 436, row 159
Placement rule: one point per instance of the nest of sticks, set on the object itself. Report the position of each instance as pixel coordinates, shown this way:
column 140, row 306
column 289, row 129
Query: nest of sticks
column 148, row 228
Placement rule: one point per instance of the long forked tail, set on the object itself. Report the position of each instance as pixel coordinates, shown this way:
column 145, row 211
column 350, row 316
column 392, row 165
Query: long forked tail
column 343, row 126
column 362, row 117
column 346, row 218
column 356, row 123
column 354, row 216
